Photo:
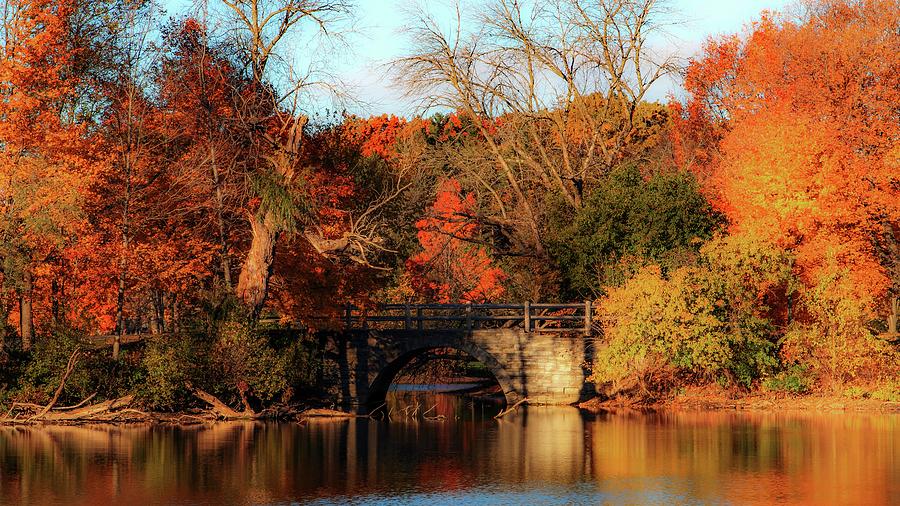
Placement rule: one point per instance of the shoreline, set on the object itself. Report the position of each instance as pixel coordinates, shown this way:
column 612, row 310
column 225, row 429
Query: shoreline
column 750, row 402
column 687, row 402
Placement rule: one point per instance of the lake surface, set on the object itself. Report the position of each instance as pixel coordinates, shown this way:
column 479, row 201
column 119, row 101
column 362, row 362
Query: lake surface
column 539, row 455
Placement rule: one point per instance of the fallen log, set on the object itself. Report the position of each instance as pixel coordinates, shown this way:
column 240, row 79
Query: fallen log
column 93, row 411
column 103, row 411
column 325, row 413
column 219, row 408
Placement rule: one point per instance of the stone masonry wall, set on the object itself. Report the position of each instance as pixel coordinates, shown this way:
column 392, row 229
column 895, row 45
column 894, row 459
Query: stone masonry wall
column 547, row 368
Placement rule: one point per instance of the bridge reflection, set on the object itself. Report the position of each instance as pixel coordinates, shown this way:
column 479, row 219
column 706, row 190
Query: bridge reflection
column 688, row 457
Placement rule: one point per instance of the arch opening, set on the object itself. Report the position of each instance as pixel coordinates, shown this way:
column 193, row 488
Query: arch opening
column 440, row 378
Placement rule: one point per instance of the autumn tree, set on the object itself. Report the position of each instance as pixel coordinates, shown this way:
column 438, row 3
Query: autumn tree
column 41, row 177
column 452, row 267
column 794, row 128
column 275, row 131
column 133, row 139
column 368, row 180
column 808, row 158
column 199, row 90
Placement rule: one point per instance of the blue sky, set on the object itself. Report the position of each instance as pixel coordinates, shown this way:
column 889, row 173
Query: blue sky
column 378, row 39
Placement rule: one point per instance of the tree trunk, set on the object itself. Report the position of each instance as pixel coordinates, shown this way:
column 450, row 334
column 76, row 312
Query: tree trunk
column 26, row 324
column 120, row 300
column 220, row 219
column 253, row 282
column 3, row 316
column 153, row 320
column 157, row 323
column 173, row 315
column 54, row 300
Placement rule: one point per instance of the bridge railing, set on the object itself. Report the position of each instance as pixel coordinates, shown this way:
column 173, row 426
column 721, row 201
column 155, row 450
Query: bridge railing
column 533, row 317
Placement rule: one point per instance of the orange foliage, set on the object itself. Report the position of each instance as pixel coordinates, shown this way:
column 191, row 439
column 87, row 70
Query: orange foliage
column 795, row 129
column 376, row 136
column 43, row 168
column 452, row 267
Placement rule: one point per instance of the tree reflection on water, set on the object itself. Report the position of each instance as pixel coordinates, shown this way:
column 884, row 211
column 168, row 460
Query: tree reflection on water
column 538, row 454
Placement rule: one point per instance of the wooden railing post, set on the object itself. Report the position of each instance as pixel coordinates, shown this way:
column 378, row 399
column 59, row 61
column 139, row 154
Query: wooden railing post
column 587, row 317
column 469, row 317
column 419, row 322
column 527, row 316
column 408, row 321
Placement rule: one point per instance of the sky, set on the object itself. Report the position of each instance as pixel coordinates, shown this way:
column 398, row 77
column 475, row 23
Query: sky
column 378, row 39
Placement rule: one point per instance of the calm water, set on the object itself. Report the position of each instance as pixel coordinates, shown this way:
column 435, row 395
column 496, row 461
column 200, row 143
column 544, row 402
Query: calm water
column 540, row 455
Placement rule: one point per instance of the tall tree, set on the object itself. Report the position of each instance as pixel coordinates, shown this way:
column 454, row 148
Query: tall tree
column 132, row 136
column 39, row 180
column 199, row 88
column 274, row 126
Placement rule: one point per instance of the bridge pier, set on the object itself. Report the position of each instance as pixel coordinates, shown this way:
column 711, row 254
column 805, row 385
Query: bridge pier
column 547, row 368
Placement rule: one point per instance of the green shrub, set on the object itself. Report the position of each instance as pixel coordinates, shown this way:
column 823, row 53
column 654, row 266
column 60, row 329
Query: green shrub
column 706, row 322
column 169, row 364
column 855, row 392
column 889, row 391
column 95, row 372
column 241, row 358
column 832, row 337
column 628, row 219
column 302, row 364
column 795, row 380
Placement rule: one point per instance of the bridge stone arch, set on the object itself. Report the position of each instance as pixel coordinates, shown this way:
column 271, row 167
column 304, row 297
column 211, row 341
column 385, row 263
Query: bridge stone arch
column 409, row 349
column 545, row 368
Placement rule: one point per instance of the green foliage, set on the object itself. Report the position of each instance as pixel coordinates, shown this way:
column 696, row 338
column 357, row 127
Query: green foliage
column 706, row 322
column 855, row 392
column 663, row 218
column 242, row 358
column 46, row 366
column 238, row 356
column 795, row 379
column 95, row 372
column 889, row 391
column 302, row 364
column 169, row 364
column 833, row 338
column 288, row 205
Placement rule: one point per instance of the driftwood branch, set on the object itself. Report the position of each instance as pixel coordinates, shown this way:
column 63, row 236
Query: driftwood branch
column 70, row 366
column 510, row 409
column 111, row 410
column 76, row 406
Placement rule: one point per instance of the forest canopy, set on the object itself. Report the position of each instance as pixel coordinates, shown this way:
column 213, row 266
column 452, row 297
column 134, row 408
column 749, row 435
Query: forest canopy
column 178, row 176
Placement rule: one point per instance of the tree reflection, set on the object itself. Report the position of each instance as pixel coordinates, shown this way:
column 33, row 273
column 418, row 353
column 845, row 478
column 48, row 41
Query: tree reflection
column 747, row 458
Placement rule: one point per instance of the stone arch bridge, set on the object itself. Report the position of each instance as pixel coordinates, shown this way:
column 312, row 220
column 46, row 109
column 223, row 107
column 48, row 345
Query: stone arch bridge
column 535, row 351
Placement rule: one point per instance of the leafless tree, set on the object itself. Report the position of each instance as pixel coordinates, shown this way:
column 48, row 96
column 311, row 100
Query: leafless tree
column 568, row 78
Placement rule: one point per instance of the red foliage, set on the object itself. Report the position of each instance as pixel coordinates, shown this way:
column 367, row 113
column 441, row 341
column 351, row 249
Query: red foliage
column 452, row 267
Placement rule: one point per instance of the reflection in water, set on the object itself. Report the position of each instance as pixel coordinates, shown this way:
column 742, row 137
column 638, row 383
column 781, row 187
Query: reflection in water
column 539, row 455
